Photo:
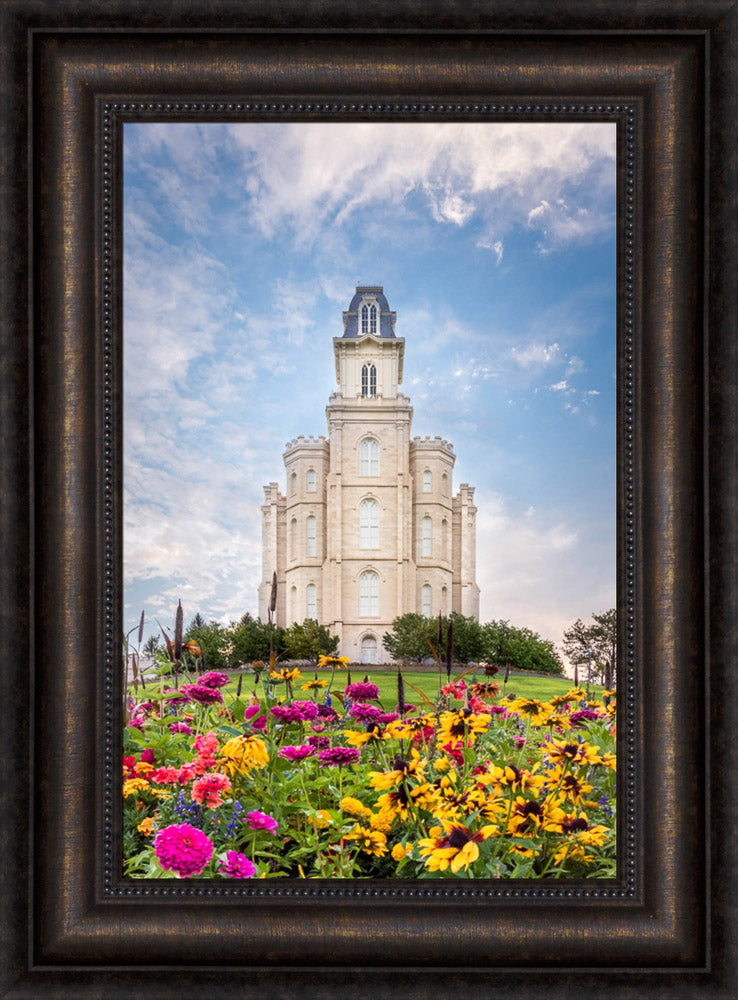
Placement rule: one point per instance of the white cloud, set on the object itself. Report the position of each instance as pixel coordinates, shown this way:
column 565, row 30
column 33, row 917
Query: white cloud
column 536, row 354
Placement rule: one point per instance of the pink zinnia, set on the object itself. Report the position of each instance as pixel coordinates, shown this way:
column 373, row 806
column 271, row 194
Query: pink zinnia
column 296, row 753
column 236, row 865
column 298, row 711
column 183, row 849
column 180, row 727
column 365, row 713
column 202, row 694
column 213, row 679
column 362, row 691
column 338, row 756
column 207, row 790
column 261, row 821
column 250, row 712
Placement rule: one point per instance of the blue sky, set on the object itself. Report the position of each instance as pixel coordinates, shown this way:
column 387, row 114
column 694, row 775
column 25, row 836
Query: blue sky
column 495, row 244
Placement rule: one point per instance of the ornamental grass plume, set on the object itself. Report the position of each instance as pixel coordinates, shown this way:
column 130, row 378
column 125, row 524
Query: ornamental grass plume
column 183, row 849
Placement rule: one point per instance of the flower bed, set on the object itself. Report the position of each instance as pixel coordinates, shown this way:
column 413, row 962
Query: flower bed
column 334, row 785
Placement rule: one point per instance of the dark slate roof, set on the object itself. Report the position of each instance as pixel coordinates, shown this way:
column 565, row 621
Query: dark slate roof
column 386, row 316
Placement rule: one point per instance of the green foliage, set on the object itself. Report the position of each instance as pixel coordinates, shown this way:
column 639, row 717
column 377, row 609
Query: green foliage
column 213, row 639
column 595, row 643
column 250, row 641
column 520, row 648
column 309, row 640
column 411, row 634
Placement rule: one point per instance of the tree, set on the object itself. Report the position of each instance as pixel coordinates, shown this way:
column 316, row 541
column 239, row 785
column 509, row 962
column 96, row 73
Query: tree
column 151, row 645
column 412, row 632
column 213, row 639
column 250, row 640
column 507, row 645
column 409, row 637
column 309, row 640
column 594, row 643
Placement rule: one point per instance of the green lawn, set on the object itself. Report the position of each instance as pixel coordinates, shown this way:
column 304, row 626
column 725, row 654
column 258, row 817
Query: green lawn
column 528, row 685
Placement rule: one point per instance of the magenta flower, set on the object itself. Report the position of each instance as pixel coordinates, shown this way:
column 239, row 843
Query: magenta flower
column 387, row 717
column 202, row 694
column 296, row 753
column 250, row 712
column 183, row 849
column 298, row 711
column 214, row 679
column 261, row 821
column 236, row 865
column 180, row 727
column 338, row 756
column 365, row 713
column 362, row 691
column 319, row 742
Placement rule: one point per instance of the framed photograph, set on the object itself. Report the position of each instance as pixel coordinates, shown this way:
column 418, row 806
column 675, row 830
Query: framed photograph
column 108, row 118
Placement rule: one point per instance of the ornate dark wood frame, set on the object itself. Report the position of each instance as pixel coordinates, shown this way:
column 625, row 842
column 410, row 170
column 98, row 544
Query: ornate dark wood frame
column 71, row 74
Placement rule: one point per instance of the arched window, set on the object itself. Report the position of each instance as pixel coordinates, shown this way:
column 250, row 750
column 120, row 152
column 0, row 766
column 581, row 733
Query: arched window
column 445, row 538
column 369, row 524
column 427, row 481
column 369, row 649
column 293, row 537
column 368, row 318
column 369, row 381
column 310, row 536
column 426, row 600
column 310, row 481
column 425, row 549
column 293, row 483
column 369, row 593
column 311, row 603
column 444, row 484
column 369, row 457
column 292, row 609
column 444, row 600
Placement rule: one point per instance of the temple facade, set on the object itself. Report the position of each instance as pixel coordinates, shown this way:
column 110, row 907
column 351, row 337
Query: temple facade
column 369, row 527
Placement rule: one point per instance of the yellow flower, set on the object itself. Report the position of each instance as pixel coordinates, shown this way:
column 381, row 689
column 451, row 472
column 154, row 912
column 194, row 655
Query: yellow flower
column 142, row 768
column 354, row 738
column 285, row 674
column 370, row 841
column 462, row 724
column 323, row 819
column 441, row 764
column 575, row 694
column 607, row 759
column 532, row 709
column 353, row 807
column 400, row 851
column 243, row 754
column 577, row 753
column 381, row 821
column 457, row 847
column 133, row 785
column 313, row 685
column 402, row 769
column 334, row 661
column 147, row 826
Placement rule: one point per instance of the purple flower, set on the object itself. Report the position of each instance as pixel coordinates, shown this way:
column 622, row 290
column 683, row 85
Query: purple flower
column 386, row 717
column 180, row 727
column 298, row 711
column 582, row 715
column 183, row 849
column 327, row 713
column 256, row 820
column 365, row 713
column 362, row 691
column 202, row 694
column 338, row 756
column 214, row 679
column 177, row 697
column 319, row 742
column 236, row 865
column 294, row 753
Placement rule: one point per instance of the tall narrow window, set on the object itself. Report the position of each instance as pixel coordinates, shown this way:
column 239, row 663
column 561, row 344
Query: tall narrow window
column 369, row 593
column 444, row 484
column 426, row 600
column 369, row 524
column 293, row 538
column 311, row 604
column 369, row 457
column 292, row 609
column 310, row 536
column 444, row 600
column 293, row 483
column 426, row 481
column 310, row 481
column 426, row 537
column 369, row 380
column 444, row 540
column 369, row 649
column 368, row 318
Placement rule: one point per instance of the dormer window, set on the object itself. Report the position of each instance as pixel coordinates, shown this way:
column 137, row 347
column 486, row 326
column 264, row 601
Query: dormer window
column 369, row 381
column 369, row 318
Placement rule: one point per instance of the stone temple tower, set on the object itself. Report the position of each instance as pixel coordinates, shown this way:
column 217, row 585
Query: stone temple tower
column 369, row 528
